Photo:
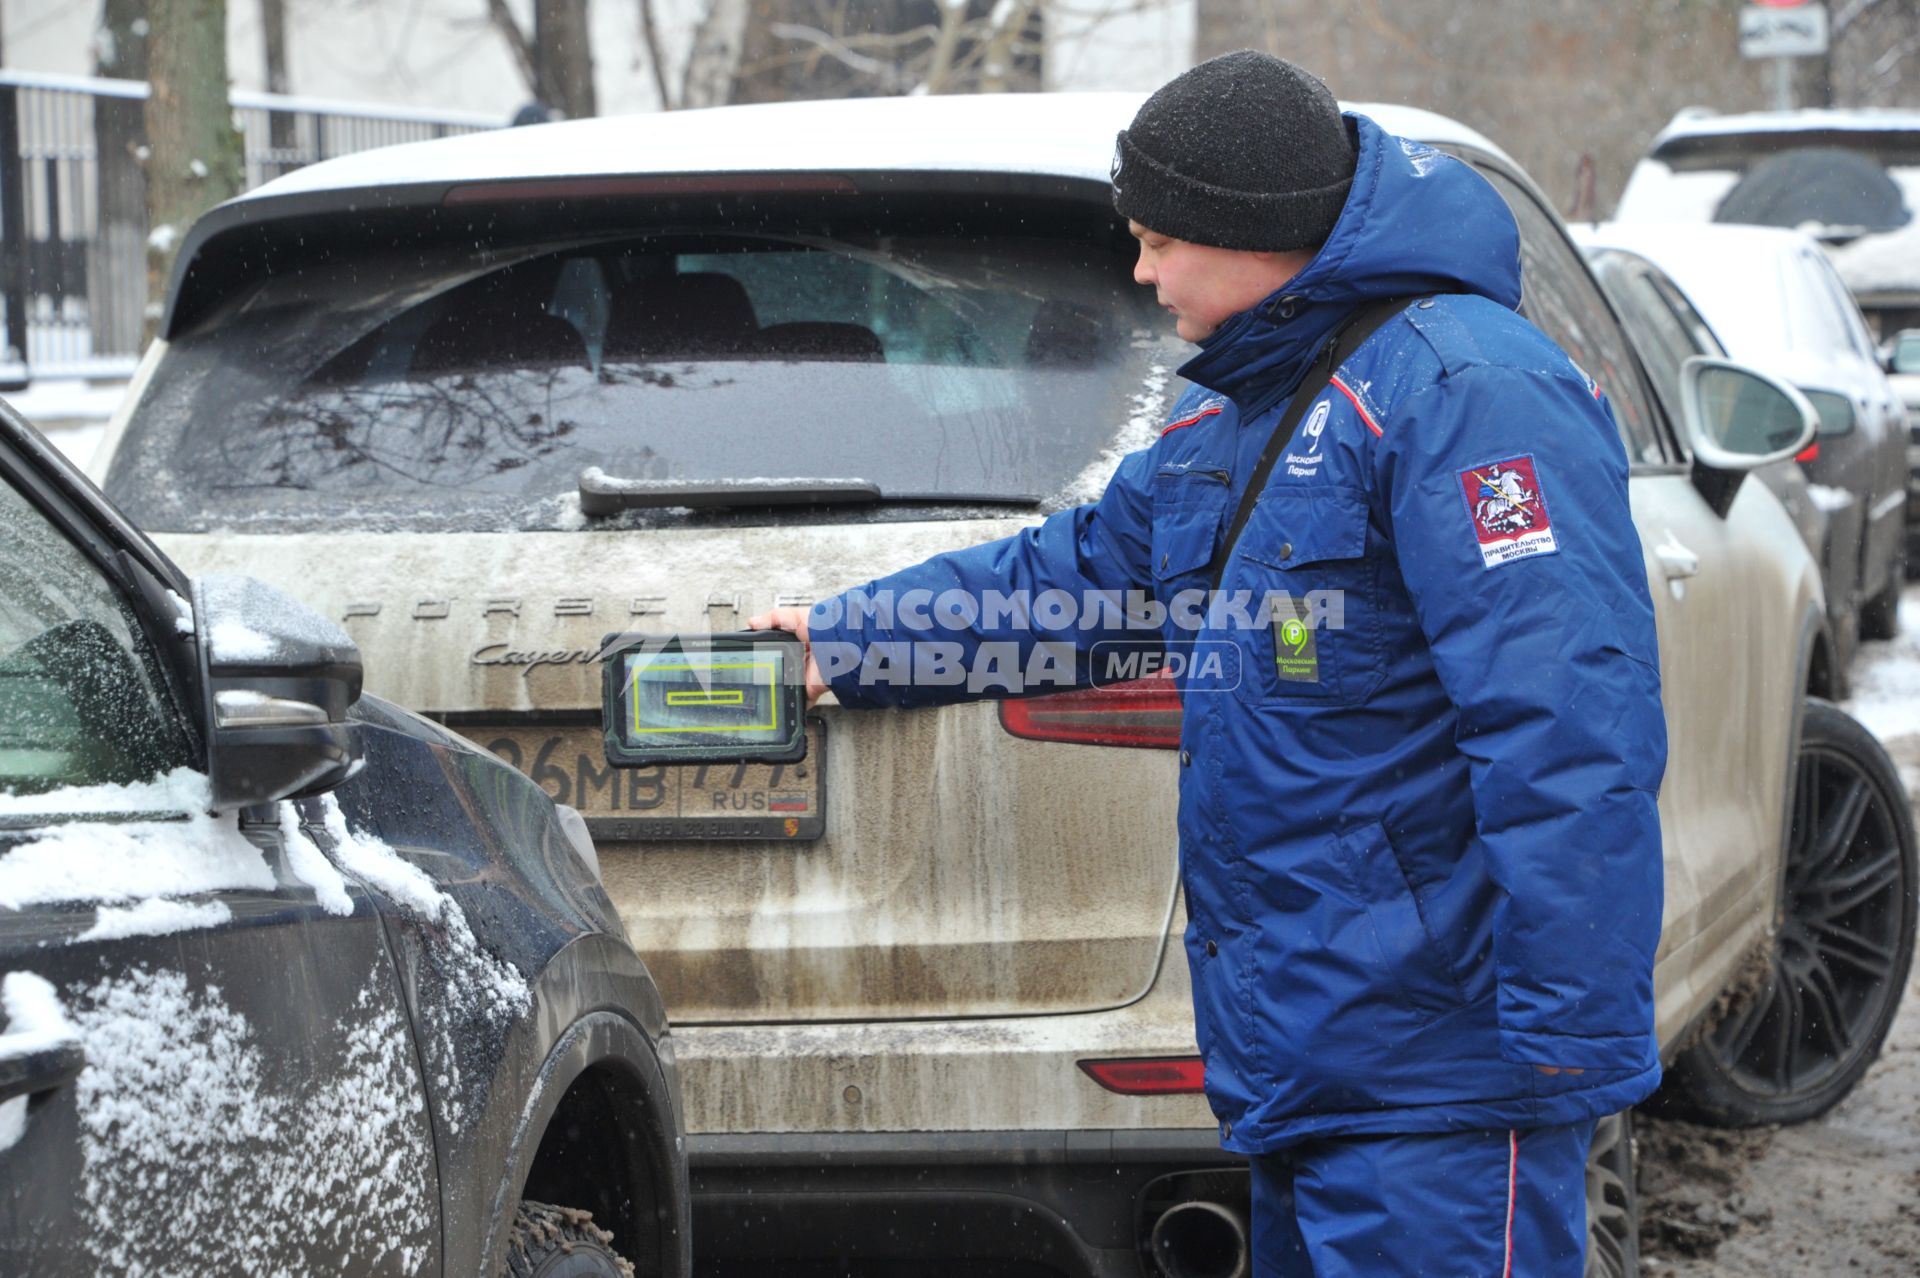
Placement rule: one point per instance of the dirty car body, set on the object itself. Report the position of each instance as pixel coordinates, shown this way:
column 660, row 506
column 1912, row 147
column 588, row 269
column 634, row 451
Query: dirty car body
column 344, row 1030
column 934, row 978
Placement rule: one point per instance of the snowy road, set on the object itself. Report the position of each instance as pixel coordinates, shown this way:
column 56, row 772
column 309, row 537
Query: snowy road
column 1840, row 1195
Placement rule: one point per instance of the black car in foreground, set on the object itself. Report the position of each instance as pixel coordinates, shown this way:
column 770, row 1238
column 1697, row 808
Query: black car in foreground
column 294, row 981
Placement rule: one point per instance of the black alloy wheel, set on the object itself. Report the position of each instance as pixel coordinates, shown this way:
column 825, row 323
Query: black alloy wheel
column 1613, row 1203
column 1790, row 1048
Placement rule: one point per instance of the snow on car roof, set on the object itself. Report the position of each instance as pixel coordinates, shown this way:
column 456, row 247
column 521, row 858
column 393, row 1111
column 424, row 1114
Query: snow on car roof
column 1062, row 134
column 1697, row 123
column 1718, row 247
column 1723, row 269
column 1879, row 265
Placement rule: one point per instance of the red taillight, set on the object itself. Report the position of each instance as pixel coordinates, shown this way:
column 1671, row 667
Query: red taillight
column 1810, row 453
column 1166, row 1077
column 1144, row 713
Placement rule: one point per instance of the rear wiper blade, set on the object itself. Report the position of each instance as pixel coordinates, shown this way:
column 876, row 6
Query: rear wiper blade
column 604, row 494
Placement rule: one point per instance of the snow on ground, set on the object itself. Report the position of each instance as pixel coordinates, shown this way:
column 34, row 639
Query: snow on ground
column 54, row 404
column 78, row 443
column 1886, row 682
column 1839, row 1194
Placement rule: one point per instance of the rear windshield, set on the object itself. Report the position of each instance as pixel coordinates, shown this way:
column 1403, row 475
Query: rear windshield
column 469, row 389
column 1836, row 183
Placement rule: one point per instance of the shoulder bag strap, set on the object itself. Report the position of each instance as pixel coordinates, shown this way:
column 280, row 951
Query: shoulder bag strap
column 1358, row 328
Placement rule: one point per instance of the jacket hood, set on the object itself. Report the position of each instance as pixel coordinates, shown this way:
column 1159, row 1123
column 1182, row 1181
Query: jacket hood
column 1415, row 222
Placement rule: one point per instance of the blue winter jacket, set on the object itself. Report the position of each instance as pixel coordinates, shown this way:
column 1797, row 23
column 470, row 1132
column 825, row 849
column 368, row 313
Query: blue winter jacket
column 1418, row 835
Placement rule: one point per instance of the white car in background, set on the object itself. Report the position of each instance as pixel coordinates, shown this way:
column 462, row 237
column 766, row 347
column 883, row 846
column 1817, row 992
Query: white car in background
column 490, row 398
column 1850, row 178
column 1775, row 302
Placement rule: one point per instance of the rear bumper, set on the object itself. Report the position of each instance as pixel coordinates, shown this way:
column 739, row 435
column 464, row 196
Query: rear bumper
column 885, row 1144
column 1076, row 1203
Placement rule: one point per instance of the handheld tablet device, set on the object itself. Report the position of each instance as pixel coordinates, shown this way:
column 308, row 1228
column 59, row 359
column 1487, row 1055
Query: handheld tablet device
column 704, row 698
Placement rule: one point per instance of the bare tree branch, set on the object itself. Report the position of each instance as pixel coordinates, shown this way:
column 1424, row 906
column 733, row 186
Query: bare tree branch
column 1888, row 62
column 1850, row 14
column 650, row 34
column 1007, row 21
column 714, row 60
column 517, row 43
column 840, row 51
column 953, row 17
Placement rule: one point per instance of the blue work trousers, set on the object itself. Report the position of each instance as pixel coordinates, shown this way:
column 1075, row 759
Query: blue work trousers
column 1482, row 1204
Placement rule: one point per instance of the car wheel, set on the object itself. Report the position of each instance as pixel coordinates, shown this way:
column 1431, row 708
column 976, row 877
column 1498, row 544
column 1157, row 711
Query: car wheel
column 561, row 1242
column 1798, row 1039
column 1613, row 1203
column 1880, row 615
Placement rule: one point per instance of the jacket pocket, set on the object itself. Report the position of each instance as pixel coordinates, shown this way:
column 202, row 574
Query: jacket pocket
column 1412, row 956
column 1188, row 507
column 1311, row 590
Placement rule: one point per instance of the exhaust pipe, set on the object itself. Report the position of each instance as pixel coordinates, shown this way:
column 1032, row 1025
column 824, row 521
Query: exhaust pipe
column 1201, row 1239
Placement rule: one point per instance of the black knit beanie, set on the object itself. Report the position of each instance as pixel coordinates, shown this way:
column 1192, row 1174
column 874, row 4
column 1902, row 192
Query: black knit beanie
column 1245, row 151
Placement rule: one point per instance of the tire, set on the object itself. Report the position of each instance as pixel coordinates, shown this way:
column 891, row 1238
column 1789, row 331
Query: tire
column 1795, row 1042
column 1613, row 1201
column 1880, row 615
column 561, row 1242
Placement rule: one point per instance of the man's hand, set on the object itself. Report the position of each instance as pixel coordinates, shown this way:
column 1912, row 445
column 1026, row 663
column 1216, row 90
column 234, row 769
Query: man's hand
column 795, row 620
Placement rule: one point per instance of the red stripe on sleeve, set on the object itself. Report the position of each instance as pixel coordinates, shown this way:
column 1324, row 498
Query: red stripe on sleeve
column 1191, row 420
column 1358, row 407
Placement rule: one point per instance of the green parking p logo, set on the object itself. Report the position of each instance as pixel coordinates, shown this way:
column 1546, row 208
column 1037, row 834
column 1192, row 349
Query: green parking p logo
column 1296, row 658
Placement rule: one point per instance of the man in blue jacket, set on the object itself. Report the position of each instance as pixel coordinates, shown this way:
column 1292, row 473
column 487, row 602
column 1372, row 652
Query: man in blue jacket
column 1418, row 837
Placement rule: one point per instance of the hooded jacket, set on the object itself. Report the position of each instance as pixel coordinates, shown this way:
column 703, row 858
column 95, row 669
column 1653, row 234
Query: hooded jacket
column 1418, row 837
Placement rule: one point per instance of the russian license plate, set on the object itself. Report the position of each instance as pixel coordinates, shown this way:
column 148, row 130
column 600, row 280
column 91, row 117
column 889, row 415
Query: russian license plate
column 785, row 801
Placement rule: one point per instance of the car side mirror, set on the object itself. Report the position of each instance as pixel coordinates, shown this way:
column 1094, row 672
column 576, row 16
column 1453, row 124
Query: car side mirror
column 1905, row 357
column 278, row 680
column 1738, row 418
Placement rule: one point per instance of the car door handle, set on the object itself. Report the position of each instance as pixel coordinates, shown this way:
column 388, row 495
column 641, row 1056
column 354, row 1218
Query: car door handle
column 1676, row 561
column 30, row 1065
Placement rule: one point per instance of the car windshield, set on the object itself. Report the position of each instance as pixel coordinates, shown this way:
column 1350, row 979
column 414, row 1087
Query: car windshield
column 470, row 389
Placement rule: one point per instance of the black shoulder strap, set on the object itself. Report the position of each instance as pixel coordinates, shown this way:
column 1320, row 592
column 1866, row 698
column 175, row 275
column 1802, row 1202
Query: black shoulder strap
column 1361, row 325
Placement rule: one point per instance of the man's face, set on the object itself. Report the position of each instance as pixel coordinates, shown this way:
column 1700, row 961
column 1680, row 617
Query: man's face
column 1203, row 285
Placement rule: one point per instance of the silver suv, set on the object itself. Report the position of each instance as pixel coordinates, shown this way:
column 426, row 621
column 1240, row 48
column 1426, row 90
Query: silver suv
column 493, row 397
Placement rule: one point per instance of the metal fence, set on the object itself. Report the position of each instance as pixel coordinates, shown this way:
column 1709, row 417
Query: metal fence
column 73, row 232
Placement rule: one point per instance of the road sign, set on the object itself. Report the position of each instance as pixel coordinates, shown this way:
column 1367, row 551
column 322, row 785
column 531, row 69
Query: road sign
column 1767, row 31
